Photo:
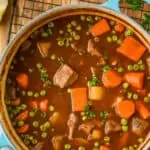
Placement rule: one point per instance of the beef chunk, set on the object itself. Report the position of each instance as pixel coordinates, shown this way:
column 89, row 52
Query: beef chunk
column 44, row 47
column 112, row 126
column 65, row 76
column 87, row 127
column 139, row 125
column 72, row 123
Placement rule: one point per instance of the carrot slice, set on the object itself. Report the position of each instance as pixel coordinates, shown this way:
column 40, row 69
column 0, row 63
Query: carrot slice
column 44, row 105
column 23, row 116
column 135, row 79
column 125, row 109
column 142, row 110
column 79, row 99
column 111, row 79
column 132, row 48
column 23, row 129
column 23, row 80
column 100, row 27
column 123, row 140
column 104, row 148
column 119, row 27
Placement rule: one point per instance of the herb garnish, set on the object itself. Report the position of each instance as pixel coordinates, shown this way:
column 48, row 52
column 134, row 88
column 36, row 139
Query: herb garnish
column 95, row 81
column 146, row 21
column 135, row 4
column 89, row 112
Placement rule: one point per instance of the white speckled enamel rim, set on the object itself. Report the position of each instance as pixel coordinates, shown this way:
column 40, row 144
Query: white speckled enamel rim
column 62, row 11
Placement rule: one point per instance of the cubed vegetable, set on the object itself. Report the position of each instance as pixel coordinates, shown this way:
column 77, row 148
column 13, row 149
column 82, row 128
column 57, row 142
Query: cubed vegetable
column 132, row 48
column 79, row 99
column 96, row 92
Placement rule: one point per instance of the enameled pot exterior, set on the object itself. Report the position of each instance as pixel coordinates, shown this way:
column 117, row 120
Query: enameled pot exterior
column 56, row 13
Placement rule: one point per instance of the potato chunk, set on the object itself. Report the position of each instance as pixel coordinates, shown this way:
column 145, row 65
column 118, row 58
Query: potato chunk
column 96, row 93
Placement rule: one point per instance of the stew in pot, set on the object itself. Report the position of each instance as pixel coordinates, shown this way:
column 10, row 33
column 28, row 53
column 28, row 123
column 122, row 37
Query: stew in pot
column 80, row 83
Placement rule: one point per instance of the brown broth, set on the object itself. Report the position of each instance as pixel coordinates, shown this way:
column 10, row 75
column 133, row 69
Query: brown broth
column 60, row 98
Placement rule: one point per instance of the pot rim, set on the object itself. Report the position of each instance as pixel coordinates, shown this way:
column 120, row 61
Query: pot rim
column 142, row 34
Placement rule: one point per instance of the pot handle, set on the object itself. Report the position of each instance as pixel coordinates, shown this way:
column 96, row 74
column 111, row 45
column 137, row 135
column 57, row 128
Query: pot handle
column 4, row 141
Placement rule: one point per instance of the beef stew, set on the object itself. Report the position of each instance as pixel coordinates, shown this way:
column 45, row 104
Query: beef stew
column 80, row 83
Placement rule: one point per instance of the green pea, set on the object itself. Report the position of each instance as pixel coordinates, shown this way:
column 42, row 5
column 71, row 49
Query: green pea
column 42, row 128
column 96, row 144
column 69, row 25
column 81, row 148
column 69, row 30
column 96, row 39
column 43, row 114
column 74, row 23
column 142, row 67
column 30, row 93
column 32, row 114
column 39, row 65
column 97, row 18
column 82, row 113
column 124, row 121
column 119, row 41
column 128, row 32
column 22, row 106
column 120, row 69
column 36, row 95
column 78, row 28
column 147, row 99
column 51, row 108
column 26, row 142
column 125, row 85
column 114, row 38
column 82, row 18
column 113, row 32
column 53, row 57
column 84, row 118
column 51, row 24
column 67, row 146
column 130, row 67
column 61, row 43
column 129, row 95
column 135, row 96
column 77, row 37
column 135, row 67
column 109, row 39
column 34, row 141
column 112, row 22
column 107, row 139
column 135, row 146
column 125, row 128
column 35, row 124
column 89, row 18
column 69, row 90
column 43, row 92
column 44, row 135
column 47, row 125
column 44, row 34
column 131, row 148
column 23, row 93
column 140, row 62
column 20, row 123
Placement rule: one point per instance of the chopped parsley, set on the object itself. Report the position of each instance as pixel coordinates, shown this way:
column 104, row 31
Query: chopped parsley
column 146, row 21
column 106, row 68
column 89, row 113
column 104, row 115
column 135, row 4
column 94, row 81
